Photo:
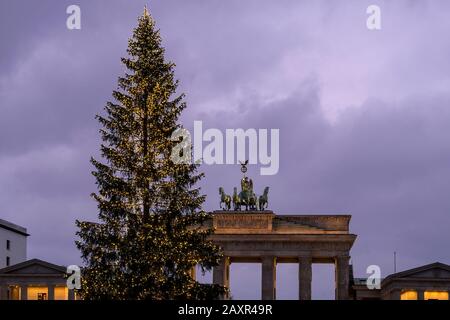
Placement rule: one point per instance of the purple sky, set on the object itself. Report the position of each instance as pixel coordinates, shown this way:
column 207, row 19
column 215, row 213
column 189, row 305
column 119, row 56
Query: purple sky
column 364, row 116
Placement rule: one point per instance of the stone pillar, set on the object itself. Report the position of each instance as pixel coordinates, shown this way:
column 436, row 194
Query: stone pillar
column 342, row 273
column 4, row 292
column 304, row 278
column 71, row 294
column 51, row 292
column 193, row 273
column 269, row 275
column 221, row 273
column 23, row 292
column 395, row 294
column 420, row 294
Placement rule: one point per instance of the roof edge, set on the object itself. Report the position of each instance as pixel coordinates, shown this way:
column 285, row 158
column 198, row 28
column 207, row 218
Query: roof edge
column 13, row 227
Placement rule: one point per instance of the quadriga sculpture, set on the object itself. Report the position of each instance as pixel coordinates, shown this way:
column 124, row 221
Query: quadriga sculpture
column 246, row 197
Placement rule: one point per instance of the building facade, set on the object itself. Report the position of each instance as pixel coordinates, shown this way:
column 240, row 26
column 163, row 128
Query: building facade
column 22, row 279
column 34, row 280
column 244, row 236
column 269, row 239
column 13, row 243
column 429, row 282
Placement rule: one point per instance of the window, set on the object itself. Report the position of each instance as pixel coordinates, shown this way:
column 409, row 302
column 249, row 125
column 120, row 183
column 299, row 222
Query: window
column 408, row 295
column 61, row 293
column 7, row 261
column 37, row 293
column 14, row 292
column 42, row 296
column 435, row 295
column 8, row 244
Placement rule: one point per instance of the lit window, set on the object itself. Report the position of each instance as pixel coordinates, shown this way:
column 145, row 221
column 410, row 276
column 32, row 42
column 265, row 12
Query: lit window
column 435, row 295
column 37, row 293
column 61, row 293
column 14, row 292
column 408, row 295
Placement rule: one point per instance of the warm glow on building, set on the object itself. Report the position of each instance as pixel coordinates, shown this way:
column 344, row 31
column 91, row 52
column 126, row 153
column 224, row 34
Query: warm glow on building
column 61, row 293
column 14, row 293
column 37, row 293
column 435, row 295
column 408, row 295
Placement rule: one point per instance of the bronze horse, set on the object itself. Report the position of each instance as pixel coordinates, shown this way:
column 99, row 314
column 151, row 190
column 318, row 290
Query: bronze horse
column 224, row 198
column 264, row 199
column 236, row 200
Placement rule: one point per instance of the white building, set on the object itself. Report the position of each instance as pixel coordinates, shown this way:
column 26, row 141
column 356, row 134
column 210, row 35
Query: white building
column 13, row 244
column 22, row 279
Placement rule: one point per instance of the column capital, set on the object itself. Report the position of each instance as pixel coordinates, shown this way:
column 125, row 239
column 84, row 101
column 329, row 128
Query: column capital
column 343, row 257
column 269, row 258
column 304, row 258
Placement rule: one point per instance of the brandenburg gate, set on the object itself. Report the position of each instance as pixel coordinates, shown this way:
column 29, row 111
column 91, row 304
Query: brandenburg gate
column 266, row 238
column 261, row 236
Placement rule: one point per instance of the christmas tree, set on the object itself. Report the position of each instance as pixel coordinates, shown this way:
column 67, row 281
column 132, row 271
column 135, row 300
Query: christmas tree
column 151, row 231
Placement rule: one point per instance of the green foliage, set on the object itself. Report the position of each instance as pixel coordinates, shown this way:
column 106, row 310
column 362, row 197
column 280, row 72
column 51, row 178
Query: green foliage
column 151, row 230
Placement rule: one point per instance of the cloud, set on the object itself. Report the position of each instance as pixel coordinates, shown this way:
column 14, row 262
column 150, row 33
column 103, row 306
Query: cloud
column 363, row 116
column 384, row 163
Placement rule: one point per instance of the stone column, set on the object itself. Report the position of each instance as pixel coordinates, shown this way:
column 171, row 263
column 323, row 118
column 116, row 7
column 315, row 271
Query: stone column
column 51, row 292
column 23, row 292
column 193, row 273
column 304, row 277
column 71, row 294
column 420, row 294
column 342, row 273
column 395, row 294
column 221, row 273
column 269, row 275
column 4, row 292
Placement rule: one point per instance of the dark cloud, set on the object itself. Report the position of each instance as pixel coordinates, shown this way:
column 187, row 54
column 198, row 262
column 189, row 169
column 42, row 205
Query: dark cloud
column 363, row 116
column 387, row 165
